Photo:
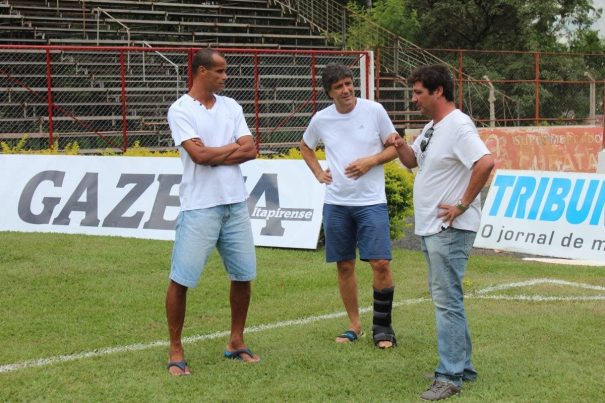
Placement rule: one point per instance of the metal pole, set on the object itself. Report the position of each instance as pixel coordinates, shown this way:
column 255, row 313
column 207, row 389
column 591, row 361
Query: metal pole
column 460, row 89
column 143, row 67
column 377, row 75
column 491, row 99
column 176, row 67
column 256, row 102
column 537, row 89
column 128, row 56
column 396, row 56
column 592, row 99
column 178, row 81
column 49, row 86
column 314, row 83
column 124, row 110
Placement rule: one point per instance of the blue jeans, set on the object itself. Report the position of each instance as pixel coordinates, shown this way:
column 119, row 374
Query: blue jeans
column 447, row 254
column 226, row 227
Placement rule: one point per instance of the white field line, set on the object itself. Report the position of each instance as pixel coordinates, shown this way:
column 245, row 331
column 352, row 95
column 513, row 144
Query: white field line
column 536, row 282
column 186, row 340
column 310, row 319
column 538, row 298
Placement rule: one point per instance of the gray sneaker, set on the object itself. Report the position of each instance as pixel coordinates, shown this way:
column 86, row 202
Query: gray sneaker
column 440, row 390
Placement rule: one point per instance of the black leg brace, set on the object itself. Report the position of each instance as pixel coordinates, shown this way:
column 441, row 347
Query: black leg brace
column 383, row 305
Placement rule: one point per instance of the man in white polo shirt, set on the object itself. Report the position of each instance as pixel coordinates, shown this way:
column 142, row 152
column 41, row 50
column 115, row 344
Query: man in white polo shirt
column 213, row 139
column 454, row 165
column 355, row 214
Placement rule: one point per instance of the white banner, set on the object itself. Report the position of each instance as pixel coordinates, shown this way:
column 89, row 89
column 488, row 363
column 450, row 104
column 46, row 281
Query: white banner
column 556, row 214
column 138, row 197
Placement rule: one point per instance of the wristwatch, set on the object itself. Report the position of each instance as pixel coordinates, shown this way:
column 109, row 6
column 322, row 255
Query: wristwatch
column 463, row 207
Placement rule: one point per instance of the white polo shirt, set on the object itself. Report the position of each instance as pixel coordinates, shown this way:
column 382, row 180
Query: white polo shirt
column 348, row 137
column 445, row 171
column 204, row 186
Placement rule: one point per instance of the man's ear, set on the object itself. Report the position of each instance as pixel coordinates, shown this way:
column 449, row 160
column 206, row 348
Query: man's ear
column 439, row 91
column 201, row 70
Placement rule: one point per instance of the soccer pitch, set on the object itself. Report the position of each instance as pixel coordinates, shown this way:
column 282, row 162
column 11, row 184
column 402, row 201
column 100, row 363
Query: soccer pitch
column 83, row 320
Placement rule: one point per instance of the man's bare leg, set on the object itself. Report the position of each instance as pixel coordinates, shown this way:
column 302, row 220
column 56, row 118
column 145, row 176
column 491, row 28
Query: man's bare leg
column 176, row 303
column 347, row 285
column 239, row 298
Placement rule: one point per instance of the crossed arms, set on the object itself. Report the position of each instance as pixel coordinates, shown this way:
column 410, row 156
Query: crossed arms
column 230, row 154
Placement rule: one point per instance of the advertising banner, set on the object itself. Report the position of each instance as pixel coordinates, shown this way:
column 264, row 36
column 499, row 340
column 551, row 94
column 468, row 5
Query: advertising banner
column 547, row 148
column 138, row 197
column 545, row 213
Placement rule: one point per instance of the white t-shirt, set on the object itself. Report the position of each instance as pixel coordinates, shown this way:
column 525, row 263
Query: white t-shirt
column 348, row 137
column 204, row 186
column 445, row 171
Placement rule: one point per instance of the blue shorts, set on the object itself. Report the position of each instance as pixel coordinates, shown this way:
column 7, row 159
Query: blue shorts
column 197, row 233
column 349, row 227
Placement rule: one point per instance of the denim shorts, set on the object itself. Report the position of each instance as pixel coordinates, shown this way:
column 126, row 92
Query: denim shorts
column 197, row 233
column 349, row 227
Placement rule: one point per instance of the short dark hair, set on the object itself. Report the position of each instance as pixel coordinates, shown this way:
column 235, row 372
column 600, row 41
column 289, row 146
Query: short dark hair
column 204, row 57
column 334, row 72
column 431, row 77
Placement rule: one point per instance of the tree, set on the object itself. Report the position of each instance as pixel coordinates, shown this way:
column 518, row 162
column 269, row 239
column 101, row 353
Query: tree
column 545, row 25
column 484, row 24
column 393, row 15
column 469, row 24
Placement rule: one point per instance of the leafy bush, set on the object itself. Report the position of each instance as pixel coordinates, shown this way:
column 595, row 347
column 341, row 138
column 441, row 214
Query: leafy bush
column 399, row 183
column 136, row 150
column 20, row 147
column 73, row 148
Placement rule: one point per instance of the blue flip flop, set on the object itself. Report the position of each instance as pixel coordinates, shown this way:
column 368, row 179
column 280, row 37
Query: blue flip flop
column 237, row 354
column 182, row 365
column 350, row 335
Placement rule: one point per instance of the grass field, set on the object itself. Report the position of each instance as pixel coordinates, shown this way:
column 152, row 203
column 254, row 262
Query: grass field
column 82, row 319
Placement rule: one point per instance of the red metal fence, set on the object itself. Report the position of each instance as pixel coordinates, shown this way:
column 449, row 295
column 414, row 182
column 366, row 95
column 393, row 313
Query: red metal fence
column 514, row 88
column 113, row 97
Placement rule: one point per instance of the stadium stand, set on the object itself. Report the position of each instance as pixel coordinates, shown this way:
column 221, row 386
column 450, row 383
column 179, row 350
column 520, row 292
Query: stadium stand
column 87, row 88
column 251, row 23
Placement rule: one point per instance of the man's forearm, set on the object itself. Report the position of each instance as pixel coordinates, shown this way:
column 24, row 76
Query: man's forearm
column 386, row 155
column 407, row 156
column 202, row 155
column 480, row 173
column 244, row 153
column 310, row 159
column 218, row 155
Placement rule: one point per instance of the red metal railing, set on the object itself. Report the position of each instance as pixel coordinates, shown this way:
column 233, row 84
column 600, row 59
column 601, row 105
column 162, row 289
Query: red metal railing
column 111, row 97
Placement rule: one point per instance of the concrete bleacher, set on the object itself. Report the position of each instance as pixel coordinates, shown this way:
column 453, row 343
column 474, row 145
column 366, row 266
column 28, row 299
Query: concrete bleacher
column 163, row 23
column 87, row 89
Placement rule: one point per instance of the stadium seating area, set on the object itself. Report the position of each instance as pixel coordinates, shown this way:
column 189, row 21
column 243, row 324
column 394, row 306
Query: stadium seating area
column 167, row 23
column 92, row 103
